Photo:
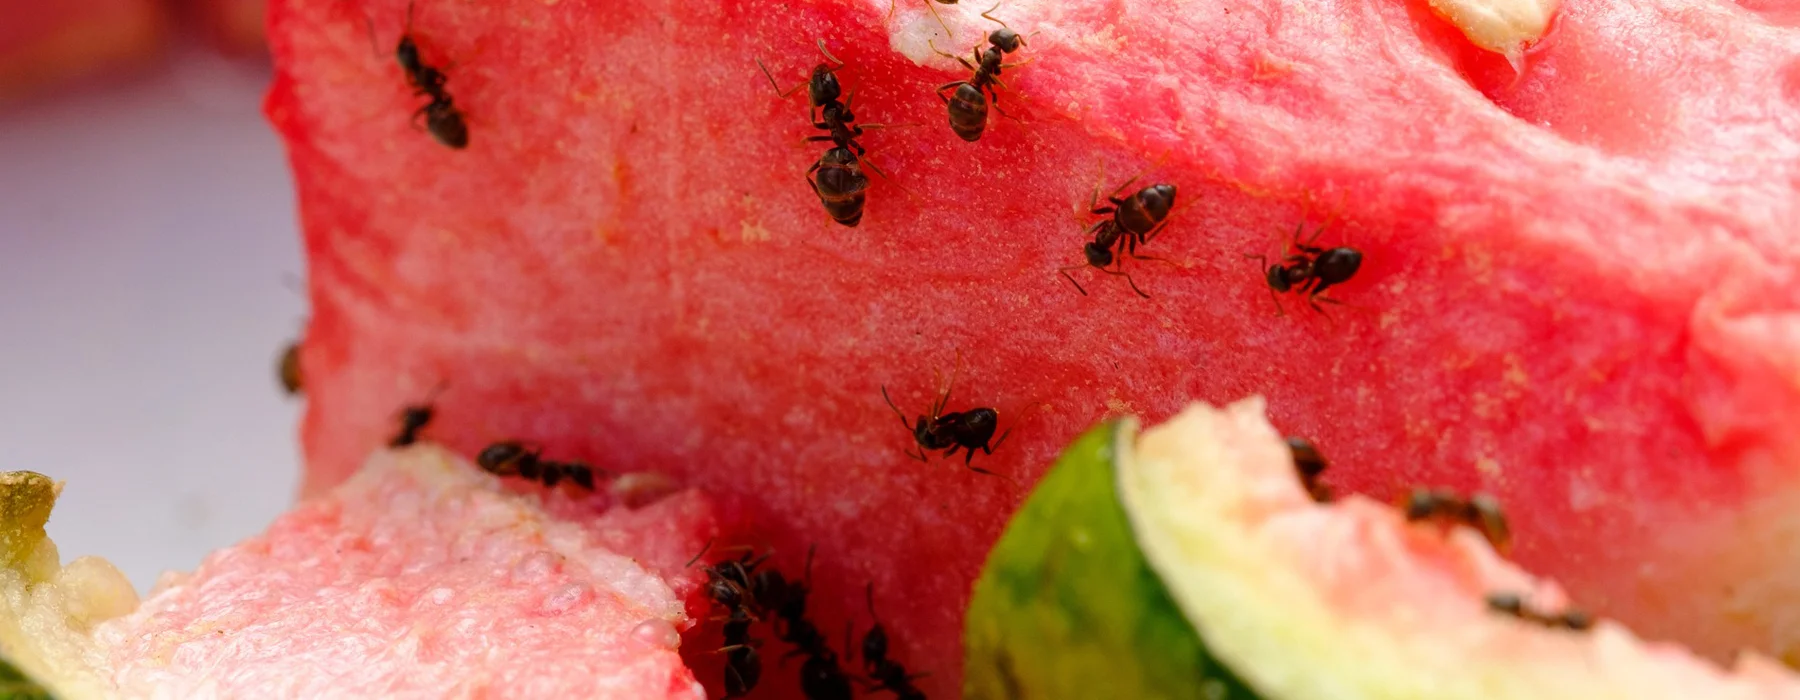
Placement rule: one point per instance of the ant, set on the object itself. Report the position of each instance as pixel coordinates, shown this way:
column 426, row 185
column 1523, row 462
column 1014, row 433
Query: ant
column 1135, row 221
column 1512, row 604
column 510, row 458
column 413, row 419
column 288, row 370
column 821, row 678
column 727, row 584
column 1311, row 271
column 1481, row 512
column 958, row 430
column 969, row 105
column 1311, row 465
column 836, row 177
column 887, row 673
column 442, row 118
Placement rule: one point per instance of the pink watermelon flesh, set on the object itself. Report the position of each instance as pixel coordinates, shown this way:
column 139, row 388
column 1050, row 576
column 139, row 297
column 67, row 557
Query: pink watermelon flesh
column 1577, row 289
column 422, row 577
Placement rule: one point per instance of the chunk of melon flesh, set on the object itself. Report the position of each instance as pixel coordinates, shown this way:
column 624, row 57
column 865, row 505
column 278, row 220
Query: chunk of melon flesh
column 1580, row 299
column 1348, row 600
column 421, row 576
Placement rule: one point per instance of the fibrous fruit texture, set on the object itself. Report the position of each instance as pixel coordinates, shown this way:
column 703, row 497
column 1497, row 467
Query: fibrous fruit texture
column 1576, row 288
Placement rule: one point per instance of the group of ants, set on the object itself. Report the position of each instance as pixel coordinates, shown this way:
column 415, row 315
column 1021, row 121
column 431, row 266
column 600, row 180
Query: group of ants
column 748, row 591
column 837, row 178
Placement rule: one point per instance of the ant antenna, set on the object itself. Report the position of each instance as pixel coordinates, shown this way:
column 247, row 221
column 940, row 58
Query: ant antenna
column 1065, row 273
column 709, row 544
column 869, row 596
column 781, row 94
column 897, row 412
column 1128, row 280
column 828, row 55
column 809, row 557
column 994, row 19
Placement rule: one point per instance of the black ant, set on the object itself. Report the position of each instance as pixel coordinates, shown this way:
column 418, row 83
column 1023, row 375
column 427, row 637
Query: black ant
column 728, row 584
column 413, row 419
column 512, row 458
column 836, row 177
column 288, row 370
column 1512, row 604
column 821, row 678
column 887, row 673
column 969, row 104
column 969, row 430
column 1311, row 271
column 1480, row 511
column 1311, row 465
column 442, row 118
column 1135, row 221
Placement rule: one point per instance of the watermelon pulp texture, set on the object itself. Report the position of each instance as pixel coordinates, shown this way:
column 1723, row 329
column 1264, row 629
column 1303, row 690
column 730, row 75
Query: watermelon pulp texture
column 1574, row 292
column 397, row 583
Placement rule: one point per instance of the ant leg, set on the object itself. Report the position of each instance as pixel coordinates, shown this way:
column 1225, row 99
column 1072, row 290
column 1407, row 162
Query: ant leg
column 997, row 443
column 1065, row 273
column 940, row 18
column 920, row 455
column 890, row 403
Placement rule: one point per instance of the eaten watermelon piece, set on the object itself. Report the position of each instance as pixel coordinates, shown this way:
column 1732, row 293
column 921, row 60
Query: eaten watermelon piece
column 421, row 577
column 47, row 43
column 1576, row 289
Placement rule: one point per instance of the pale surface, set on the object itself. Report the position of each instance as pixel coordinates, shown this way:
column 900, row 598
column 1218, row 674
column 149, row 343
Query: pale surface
column 144, row 234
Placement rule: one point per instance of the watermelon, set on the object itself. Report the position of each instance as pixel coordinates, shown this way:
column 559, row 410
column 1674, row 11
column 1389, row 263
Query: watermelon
column 1572, row 292
column 398, row 583
column 1189, row 562
column 45, row 44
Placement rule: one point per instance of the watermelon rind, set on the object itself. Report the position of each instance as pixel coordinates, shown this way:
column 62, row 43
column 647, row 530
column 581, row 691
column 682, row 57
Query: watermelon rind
column 1068, row 607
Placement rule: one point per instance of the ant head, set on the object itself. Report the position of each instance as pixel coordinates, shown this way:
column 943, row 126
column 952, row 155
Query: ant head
column 1006, row 40
column 1278, row 279
column 1098, row 255
column 1337, row 265
column 407, row 53
column 823, row 88
column 1157, row 200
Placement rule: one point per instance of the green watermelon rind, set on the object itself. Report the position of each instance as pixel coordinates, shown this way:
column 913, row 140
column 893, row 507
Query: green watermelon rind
column 1067, row 605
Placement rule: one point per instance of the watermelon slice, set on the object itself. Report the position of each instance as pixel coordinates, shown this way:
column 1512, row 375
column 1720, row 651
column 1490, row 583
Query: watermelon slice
column 1575, row 286
column 1189, row 562
column 420, row 577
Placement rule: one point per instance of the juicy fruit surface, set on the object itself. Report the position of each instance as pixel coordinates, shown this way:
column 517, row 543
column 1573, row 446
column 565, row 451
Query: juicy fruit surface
column 1575, row 289
column 421, row 577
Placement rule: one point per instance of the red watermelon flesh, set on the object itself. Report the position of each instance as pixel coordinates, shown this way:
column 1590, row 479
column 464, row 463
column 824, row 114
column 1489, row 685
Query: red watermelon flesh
column 422, row 577
column 1576, row 293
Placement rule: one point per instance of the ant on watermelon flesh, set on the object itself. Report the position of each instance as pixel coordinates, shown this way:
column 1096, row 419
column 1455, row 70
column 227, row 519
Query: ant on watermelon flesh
column 1311, row 465
column 1512, row 604
column 968, row 105
column 413, row 419
column 885, row 672
column 969, row 430
column 442, row 118
column 1481, row 512
column 728, row 585
column 1134, row 221
column 1311, row 271
column 512, row 458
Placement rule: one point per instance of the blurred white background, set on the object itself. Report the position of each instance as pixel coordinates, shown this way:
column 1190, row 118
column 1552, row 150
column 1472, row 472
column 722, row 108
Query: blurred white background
column 146, row 229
